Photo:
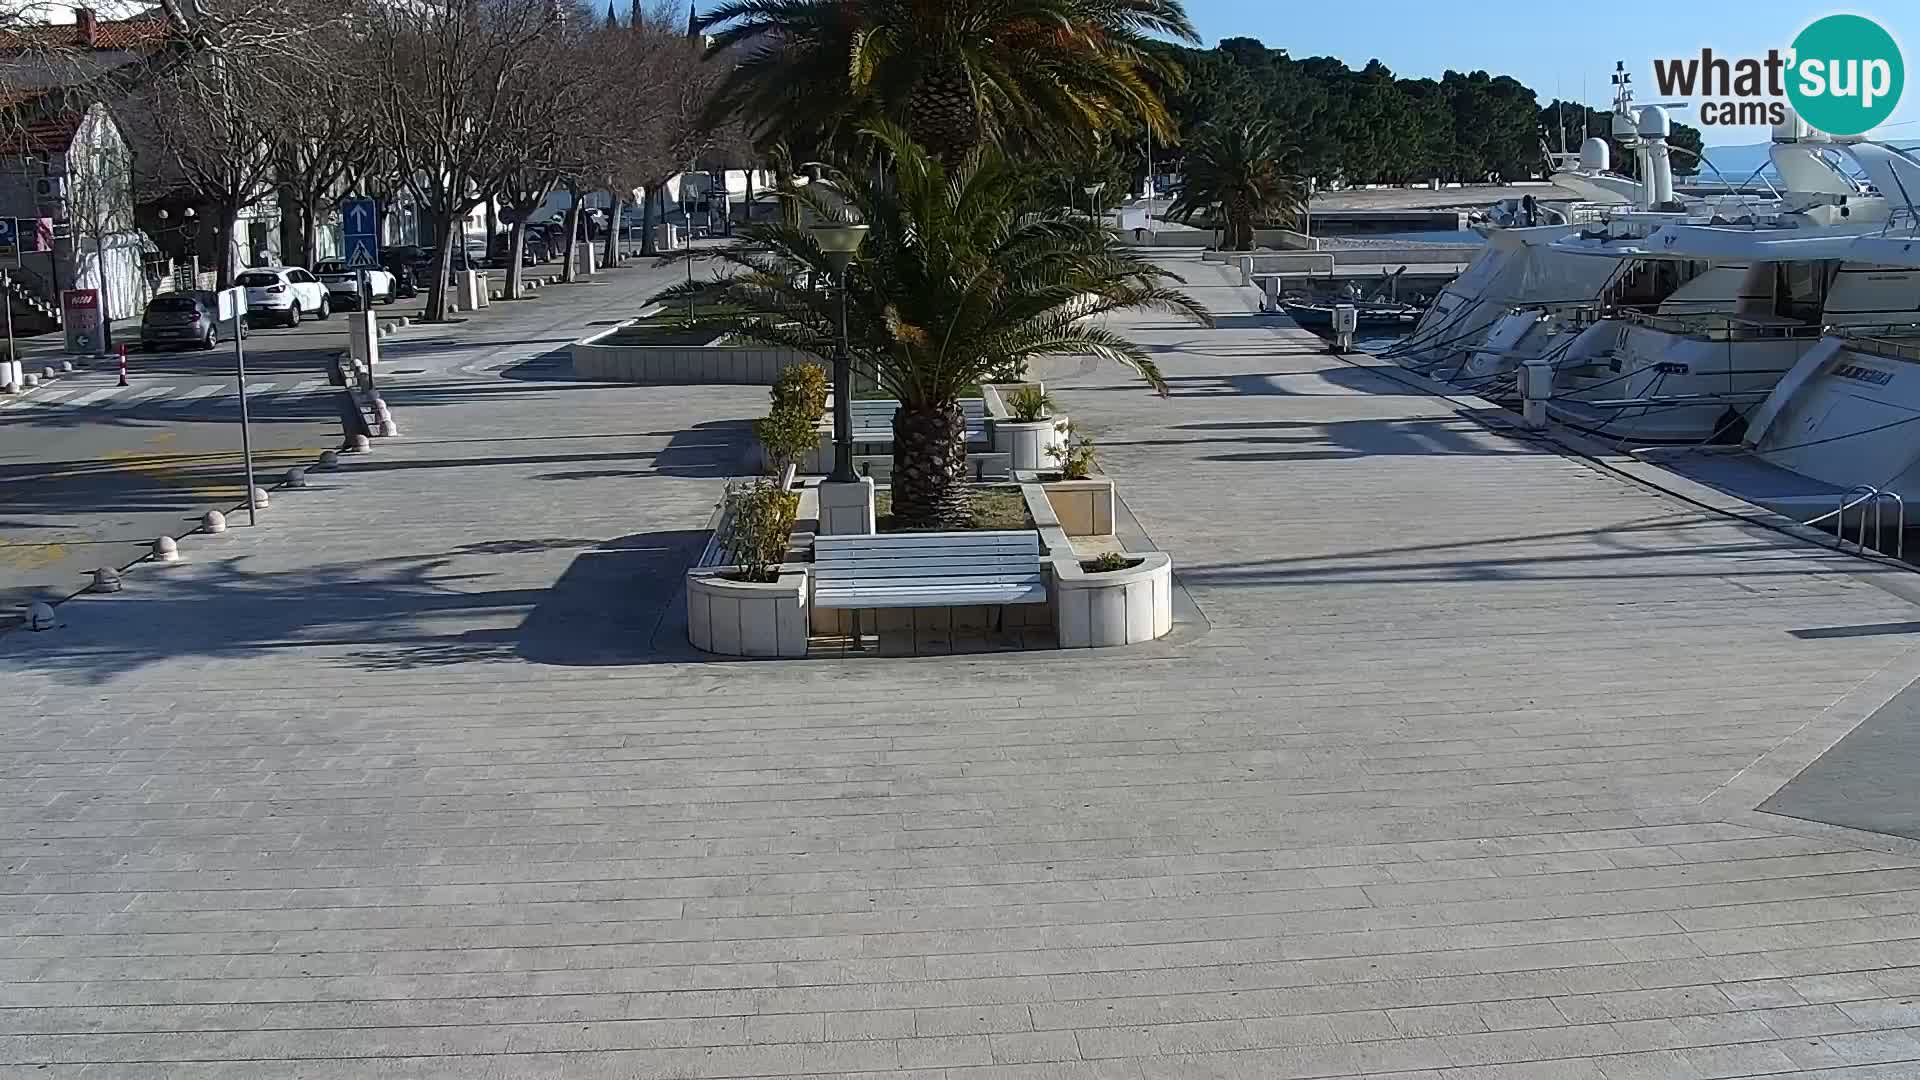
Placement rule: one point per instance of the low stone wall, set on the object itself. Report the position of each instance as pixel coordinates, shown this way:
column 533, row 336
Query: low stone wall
column 1118, row 607
column 1082, row 507
column 750, row 365
column 748, row 618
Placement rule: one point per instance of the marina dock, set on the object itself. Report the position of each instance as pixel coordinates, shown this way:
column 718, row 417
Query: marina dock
column 1466, row 761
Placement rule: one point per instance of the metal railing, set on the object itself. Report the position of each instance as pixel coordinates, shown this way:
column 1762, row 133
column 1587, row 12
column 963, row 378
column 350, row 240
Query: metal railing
column 1716, row 327
column 1869, row 497
column 1893, row 341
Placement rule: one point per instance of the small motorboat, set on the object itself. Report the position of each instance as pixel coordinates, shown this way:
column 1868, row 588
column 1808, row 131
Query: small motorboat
column 1316, row 313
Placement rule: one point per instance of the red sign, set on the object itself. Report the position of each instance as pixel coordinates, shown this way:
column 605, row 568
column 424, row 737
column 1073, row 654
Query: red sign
column 82, row 298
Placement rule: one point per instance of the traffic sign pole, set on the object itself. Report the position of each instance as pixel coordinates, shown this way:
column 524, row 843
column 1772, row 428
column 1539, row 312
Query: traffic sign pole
column 246, row 426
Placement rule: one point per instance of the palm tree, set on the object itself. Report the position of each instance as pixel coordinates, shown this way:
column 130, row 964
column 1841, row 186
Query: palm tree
column 954, row 73
column 1233, row 172
column 966, row 275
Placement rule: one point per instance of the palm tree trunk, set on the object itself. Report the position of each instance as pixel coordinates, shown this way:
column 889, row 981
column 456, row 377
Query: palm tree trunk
column 930, row 468
column 941, row 112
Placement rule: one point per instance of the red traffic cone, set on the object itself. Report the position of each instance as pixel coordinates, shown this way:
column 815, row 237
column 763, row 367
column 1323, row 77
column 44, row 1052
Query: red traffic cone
column 123, row 365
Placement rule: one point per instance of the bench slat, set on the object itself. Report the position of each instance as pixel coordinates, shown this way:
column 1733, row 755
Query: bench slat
column 945, row 597
column 958, row 538
column 950, row 572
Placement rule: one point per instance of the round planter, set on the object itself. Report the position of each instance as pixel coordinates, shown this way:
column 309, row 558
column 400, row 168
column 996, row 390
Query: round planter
column 1118, row 607
column 747, row 618
column 1028, row 444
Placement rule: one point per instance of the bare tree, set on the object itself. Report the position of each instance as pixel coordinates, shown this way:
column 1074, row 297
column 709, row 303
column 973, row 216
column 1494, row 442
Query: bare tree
column 451, row 75
column 214, row 123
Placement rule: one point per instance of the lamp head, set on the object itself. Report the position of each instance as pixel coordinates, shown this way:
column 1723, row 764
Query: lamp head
column 839, row 240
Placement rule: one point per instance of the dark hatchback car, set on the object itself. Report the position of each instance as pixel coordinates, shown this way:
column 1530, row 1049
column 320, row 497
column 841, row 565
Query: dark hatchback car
column 184, row 319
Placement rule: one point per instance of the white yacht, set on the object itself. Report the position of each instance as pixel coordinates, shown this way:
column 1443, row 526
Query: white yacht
column 1525, row 267
column 1842, row 427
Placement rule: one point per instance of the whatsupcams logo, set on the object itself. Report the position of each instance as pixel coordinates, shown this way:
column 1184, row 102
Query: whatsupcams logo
column 1843, row 75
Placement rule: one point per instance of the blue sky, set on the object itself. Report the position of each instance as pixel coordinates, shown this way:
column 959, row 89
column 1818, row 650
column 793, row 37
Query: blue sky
column 1549, row 46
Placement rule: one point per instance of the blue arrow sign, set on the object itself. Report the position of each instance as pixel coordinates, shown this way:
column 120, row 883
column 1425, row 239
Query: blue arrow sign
column 361, row 233
column 9, row 238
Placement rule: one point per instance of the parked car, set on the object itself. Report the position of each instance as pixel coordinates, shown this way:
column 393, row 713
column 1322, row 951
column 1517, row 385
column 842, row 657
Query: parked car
column 533, row 251
column 283, row 294
column 182, row 319
column 420, row 259
column 404, row 284
column 344, row 284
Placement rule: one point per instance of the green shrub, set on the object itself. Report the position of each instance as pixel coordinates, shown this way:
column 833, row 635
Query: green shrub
column 1029, row 403
column 759, row 528
column 788, row 432
column 802, row 388
column 1076, row 459
column 1107, row 563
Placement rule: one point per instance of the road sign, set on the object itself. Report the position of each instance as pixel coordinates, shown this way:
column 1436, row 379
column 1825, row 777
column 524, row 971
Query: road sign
column 232, row 304
column 360, row 233
column 80, row 316
column 9, row 238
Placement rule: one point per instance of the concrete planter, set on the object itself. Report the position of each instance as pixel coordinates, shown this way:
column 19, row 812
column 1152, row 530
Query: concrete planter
column 747, row 618
column 1083, row 507
column 682, row 365
column 1030, row 444
column 1119, row 607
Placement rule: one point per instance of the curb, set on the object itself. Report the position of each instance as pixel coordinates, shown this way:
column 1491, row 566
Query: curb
column 21, row 393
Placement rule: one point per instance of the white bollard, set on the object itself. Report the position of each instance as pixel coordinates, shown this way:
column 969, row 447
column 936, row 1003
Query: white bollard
column 166, row 549
column 328, row 459
column 106, row 579
column 47, row 373
column 359, row 444
column 214, row 522
column 30, row 379
column 40, row 616
column 259, row 498
column 66, row 366
column 296, row 477
column 389, row 429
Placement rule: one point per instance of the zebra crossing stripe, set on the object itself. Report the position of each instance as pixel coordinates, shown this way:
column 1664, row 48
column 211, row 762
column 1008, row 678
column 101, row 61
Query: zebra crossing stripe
column 96, row 396
column 198, row 392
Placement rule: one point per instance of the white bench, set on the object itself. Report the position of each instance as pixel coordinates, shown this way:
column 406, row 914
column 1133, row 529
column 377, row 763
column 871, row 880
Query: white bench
column 873, row 420
column 944, row 569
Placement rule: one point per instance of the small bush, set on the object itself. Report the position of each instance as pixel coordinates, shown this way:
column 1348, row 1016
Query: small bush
column 802, row 388
column 1107, row 563
column 1029, row 403
column 788, row 432
column 1076, row 459
column 759, row 528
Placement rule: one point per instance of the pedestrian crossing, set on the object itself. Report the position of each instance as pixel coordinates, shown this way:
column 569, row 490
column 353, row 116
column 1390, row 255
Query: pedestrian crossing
column 90, row 395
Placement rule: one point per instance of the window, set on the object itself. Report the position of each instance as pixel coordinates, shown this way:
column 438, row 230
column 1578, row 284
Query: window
column 258, row 280
column 172, row 303
column 331, row 266
column 299, row 277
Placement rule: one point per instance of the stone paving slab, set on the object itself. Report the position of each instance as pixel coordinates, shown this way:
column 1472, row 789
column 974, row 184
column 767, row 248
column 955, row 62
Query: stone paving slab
column 415, row 780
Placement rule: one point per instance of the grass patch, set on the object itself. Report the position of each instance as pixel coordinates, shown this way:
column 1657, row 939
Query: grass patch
column 993, row 508
column 669, row 326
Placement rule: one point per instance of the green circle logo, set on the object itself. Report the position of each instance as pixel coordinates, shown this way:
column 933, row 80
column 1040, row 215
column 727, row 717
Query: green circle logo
column 1846, row 75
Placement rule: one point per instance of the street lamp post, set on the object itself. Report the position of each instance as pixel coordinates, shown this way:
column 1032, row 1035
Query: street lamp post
column 839, row 241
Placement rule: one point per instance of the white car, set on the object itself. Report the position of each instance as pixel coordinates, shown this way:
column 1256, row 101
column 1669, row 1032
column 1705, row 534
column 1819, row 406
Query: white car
column 283, row 293
column 344, row 284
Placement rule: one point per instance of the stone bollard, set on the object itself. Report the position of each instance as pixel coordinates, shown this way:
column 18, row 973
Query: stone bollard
column 30, row 379
column 359, row 444
column 296, row 477
column 389, row 429
column 47, row 373
column 214, row 522
column 166, row 549
column 66, row 366
column 40, row 616
column 260, row 500
column 106, row 579
column 328, row 459
column 9, row 388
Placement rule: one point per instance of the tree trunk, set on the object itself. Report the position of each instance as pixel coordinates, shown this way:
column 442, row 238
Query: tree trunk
column 930, row 468
column 229, row 216
column 443, row 239
column 493, row 221
column 310, row 230
column 573, row 236
column 941, row 112
column 516, row 251
column 746, row 211
column 648, row 245
column 612, row 255
column 789, row 209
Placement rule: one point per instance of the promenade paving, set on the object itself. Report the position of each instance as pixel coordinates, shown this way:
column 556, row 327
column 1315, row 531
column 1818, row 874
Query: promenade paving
column 416, row 780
